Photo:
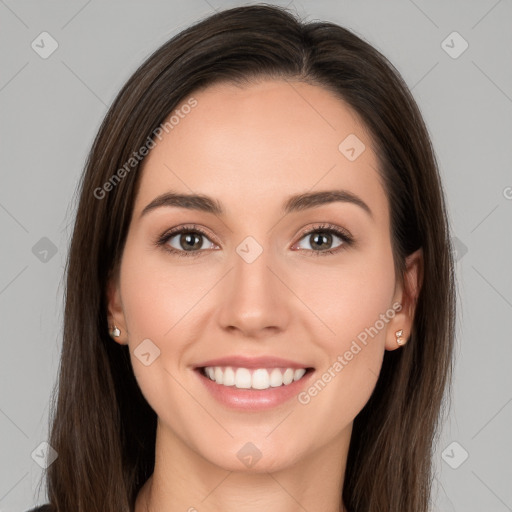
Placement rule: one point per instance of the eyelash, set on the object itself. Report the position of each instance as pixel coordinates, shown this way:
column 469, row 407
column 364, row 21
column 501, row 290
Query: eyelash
column 162, row 240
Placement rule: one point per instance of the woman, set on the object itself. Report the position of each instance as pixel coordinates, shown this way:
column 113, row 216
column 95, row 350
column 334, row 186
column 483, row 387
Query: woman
column 212, row 360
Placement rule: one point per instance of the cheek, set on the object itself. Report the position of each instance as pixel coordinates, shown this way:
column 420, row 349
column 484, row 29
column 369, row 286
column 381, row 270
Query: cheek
column 160, row 299
column 364, row 295
column 155, row 308
column 350, row 297
column 355, row 302
column 146, row 306
column 153, row 298
column 151, row 308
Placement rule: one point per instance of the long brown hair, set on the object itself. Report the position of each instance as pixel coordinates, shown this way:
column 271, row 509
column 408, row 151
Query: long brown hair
column 101, row 425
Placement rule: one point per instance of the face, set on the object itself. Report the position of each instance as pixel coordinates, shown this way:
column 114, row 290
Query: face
column 313, row 285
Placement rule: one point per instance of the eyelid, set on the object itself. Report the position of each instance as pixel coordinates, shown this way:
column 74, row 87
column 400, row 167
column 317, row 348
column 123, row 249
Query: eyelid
column 162, row 240
column 326, row 227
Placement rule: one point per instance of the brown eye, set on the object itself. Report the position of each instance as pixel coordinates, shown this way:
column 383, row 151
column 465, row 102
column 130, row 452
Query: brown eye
column 184, row 241
column 321, row 239
column 189, row 240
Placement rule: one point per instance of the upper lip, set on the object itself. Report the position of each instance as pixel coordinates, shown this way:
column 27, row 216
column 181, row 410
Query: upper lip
column 253, row 362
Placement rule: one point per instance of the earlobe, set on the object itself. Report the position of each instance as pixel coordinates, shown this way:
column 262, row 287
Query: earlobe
column 400, row 340
column 397, row 337
column 115, row 332
column 400, row 327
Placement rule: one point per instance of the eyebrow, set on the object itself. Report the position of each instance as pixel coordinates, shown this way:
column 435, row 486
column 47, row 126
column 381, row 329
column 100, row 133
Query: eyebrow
column 294, row 203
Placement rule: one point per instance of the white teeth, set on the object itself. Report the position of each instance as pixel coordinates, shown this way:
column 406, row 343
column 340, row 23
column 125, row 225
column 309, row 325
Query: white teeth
column 229, row 377
column 276, row 378
column 242, row 378
column 288, row 376
column 299, row 373
column 260, row 378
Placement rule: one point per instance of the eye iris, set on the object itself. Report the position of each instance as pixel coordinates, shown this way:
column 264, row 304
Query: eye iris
column 322, row 237
column 186, row 238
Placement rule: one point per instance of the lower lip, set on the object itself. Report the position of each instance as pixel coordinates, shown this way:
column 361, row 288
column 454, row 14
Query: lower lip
column 254, row 399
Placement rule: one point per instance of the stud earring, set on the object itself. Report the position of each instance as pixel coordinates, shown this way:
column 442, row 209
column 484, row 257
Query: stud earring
column 115, row 332
column 399, row 340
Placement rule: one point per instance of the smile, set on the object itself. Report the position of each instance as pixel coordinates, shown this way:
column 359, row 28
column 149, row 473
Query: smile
column 259, row 378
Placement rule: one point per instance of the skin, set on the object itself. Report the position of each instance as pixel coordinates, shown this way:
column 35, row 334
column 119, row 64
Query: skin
column 251, row 148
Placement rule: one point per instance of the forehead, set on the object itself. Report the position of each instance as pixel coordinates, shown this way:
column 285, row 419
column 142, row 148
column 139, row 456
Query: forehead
column 252, row 146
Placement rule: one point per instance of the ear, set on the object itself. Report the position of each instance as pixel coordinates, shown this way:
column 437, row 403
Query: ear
column 406, row 294
column 115, row 313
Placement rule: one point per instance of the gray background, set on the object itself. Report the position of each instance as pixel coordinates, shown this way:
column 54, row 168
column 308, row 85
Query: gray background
column 51, row 109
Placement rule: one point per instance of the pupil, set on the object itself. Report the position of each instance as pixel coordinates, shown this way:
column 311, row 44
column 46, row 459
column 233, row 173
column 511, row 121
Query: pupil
column 186, row 240
column 322, row 237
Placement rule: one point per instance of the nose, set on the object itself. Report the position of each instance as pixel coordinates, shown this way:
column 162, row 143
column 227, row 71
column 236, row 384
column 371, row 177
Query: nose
column 255, row 300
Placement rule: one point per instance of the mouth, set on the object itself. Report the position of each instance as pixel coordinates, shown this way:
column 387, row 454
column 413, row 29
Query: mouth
column 260, row 379
column 253, row 383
